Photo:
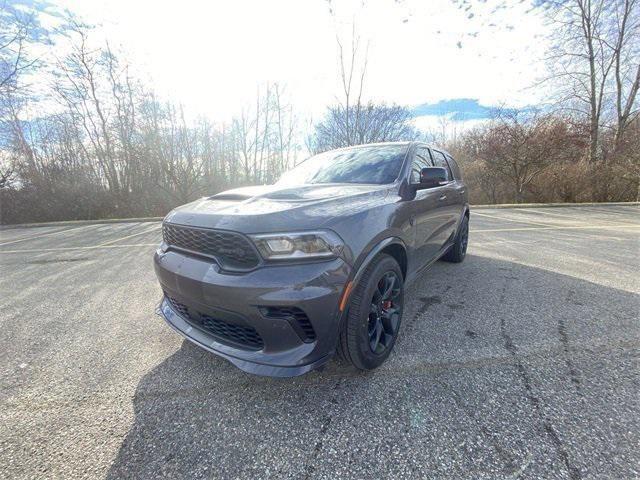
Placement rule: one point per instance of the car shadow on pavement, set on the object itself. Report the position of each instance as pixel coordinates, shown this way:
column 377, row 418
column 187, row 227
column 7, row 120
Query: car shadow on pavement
column 500, row 368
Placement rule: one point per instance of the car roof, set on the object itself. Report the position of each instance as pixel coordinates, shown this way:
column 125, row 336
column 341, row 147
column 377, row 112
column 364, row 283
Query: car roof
column 433, row 147
column 404, row 143
column 378, row 144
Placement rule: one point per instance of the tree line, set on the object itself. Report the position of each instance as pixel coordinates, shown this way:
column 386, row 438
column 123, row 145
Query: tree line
column 113, row 148
column 93, row 141
column 585, row 145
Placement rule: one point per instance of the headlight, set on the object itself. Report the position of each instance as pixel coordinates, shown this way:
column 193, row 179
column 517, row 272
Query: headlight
column 298, row 245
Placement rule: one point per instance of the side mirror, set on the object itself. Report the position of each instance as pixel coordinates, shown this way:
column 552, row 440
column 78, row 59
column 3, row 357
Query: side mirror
column 431, row 177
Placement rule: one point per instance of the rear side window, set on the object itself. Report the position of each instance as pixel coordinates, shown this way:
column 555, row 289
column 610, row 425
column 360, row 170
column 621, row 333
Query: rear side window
column 454, row 167
column 439, row 160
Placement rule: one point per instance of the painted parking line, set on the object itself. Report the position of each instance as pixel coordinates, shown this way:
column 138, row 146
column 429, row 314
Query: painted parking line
column 91, row 247
column 48, row 234
column 616, row 216
column 565, row 215
column 498, row 217
column 605, row 215
column 558, row 227
column 155, row 227
column 26, row 233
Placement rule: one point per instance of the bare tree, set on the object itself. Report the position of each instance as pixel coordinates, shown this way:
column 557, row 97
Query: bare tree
column 266, row 136
column 626, row 54
column 350, row 121
column 596, row 52
column 352, row 83
column 7, row 170
column 18, row 29
column 285, row 127
column 377, row 123
column 82, row 86
column 122, row 95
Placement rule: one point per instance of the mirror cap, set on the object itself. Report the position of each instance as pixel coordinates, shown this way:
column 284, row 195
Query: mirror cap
column 433, row 177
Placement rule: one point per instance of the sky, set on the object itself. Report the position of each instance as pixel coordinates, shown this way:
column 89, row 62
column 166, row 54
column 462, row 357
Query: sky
column 213, row 56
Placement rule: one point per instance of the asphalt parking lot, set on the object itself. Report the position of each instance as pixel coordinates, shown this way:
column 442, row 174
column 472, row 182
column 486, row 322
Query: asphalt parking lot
column 521, row 362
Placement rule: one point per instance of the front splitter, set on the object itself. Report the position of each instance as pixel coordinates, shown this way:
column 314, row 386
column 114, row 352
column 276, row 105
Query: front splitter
column 208, row 343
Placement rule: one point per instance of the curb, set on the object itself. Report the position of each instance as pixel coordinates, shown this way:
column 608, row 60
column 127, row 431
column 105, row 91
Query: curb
column 553, row 205
column 71, row 223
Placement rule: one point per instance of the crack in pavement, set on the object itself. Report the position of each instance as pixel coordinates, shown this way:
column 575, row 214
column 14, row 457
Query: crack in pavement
column 564, row 340
column 504, row 455
column 425, row 303
column 309, row 466
column 574, row 472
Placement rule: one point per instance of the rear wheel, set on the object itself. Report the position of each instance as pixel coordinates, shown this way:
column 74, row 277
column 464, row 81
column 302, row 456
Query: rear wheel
column 374, row 316
column 458, row 250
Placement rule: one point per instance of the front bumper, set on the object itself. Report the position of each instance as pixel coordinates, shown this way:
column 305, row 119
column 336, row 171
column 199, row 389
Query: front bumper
column 240, row 301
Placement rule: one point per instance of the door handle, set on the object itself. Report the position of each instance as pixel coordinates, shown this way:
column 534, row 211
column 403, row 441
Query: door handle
column 442, row 197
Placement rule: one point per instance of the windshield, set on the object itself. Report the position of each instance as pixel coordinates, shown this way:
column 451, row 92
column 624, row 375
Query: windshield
column 374, row 165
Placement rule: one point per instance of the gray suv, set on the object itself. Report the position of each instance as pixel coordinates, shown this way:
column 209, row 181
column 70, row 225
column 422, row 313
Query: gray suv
column 278, row 278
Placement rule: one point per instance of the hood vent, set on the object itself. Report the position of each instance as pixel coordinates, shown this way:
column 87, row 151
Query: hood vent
column 234, row 197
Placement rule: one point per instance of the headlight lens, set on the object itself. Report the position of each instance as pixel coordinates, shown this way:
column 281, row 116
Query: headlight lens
column 298, row 245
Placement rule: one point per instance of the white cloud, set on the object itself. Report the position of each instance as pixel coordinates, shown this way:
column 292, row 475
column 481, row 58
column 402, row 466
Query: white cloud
column 445, row 127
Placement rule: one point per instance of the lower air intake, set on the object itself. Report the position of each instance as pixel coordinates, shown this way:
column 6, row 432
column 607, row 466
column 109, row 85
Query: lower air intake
column 239, row 335
column 296, row 317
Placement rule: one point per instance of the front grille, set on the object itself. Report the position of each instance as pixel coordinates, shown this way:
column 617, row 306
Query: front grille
column 246, row 337
column 233, row 250
column 296, row 317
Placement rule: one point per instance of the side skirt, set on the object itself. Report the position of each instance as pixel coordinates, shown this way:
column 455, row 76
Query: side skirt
column 412, row 278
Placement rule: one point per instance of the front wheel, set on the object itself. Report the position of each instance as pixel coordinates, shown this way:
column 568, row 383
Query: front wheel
column 374, row 315
column 458, row 250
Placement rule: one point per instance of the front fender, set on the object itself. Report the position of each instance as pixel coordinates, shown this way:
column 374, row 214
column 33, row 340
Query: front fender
column 369, row 254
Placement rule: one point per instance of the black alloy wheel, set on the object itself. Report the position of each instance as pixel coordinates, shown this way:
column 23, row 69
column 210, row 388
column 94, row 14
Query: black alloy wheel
column 458, row 250
column 384, row 314
column 373, row 320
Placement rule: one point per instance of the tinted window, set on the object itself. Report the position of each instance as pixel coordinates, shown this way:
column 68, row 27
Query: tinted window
column 454, row 167
column 377, row 165
column 421, row 160
column 440, row 161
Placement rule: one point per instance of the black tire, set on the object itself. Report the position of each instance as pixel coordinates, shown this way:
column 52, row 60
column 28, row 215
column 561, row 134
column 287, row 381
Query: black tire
column 373, row 317
column 458, row 250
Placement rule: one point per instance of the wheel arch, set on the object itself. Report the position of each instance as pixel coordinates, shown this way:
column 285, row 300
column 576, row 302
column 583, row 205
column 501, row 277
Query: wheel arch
column 393, row 246
column 399, row 252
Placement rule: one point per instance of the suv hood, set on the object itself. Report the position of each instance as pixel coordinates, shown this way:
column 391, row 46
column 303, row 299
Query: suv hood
column 273, row 208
